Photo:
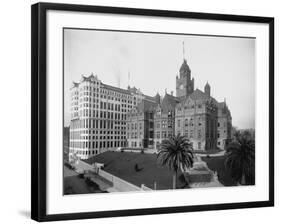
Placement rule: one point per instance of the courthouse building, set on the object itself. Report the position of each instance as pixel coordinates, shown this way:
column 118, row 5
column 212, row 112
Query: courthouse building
column 105, row 117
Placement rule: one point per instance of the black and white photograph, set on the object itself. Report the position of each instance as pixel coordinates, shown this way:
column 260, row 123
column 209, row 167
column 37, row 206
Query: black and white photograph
column 145, row 111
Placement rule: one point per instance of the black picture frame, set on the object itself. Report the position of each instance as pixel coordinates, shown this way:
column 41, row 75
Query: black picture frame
column 39, row 108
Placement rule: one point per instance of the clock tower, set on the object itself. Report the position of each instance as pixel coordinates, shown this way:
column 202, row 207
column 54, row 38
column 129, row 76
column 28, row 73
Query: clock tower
column 184, row 83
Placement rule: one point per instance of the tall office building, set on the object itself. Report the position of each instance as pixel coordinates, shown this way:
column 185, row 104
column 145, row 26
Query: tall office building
column 98, row 115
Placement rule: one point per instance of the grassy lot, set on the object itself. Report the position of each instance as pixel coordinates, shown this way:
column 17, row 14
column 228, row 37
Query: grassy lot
column 122, row 164
column 217, row 164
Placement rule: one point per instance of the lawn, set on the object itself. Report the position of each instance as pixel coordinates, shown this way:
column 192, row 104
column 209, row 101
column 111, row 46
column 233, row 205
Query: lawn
column 122, row 164
column 217, row 164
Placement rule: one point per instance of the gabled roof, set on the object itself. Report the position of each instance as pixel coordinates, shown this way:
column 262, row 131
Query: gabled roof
column 74, row 84
column 199, row 95
column 223, row 108
column 150, row 98
column 168, row 103
column 89, row 78
column 146, row 105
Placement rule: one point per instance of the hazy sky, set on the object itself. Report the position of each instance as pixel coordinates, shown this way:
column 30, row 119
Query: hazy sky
column 153, row 60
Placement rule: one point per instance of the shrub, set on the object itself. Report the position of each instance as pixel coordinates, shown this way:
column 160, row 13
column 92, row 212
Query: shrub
column 136, row 167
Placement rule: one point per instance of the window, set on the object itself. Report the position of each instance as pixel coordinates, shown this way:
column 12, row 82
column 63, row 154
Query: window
column 191, row 133
column 199, row 121
column 157, row 124
column 170, row 124
column 170, row 134
column 186, row 122
column 158, row 134
column 179, row 123
column 199, row 134
column 191, row 122
column 199, row 145
column 169, row 114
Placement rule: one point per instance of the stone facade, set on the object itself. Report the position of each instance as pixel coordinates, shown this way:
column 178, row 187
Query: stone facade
column 196, row 118
column 224, row 125
column 140, row 125
column 164, row 119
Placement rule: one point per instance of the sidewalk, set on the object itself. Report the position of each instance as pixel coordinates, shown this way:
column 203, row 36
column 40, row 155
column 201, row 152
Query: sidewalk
column 221, row 153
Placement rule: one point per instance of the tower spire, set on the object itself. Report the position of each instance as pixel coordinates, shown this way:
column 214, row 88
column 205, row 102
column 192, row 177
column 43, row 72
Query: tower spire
column 183, row 49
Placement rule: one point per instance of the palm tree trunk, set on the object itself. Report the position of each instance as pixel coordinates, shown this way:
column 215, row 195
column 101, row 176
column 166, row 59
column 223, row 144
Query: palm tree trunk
column 175, row 180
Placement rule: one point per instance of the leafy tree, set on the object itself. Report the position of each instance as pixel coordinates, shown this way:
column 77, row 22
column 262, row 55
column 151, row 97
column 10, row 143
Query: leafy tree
column 240, row 159
column 176, row 153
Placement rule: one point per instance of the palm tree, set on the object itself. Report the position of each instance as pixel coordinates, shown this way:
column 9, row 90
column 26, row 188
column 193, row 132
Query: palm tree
column 176, row 153
column 240, row 159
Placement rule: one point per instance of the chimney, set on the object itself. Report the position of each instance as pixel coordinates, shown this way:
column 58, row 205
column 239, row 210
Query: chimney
column 172, row 93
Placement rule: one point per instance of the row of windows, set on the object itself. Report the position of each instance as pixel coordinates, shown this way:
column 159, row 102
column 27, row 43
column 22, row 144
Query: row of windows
column 134, row 126
column 83, row 152
column 164, row 124
column 134, row 135
column 199, row 106
column 89, row 94
column 74, row 93
column 219, row 133
column 102, row 114
column 88, row 87
column 224, row 124
column 95, row 144
column 164, row 134
column 95, row 137
column 91, row 123
column 135, row 144
column 111, row 95
column 189, row 122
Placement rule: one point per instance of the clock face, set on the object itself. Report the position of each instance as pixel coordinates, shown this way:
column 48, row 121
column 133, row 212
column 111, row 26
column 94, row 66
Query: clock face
column 181, row 86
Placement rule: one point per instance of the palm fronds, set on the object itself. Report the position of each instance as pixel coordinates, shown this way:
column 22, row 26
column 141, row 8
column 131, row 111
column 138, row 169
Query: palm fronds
column 240, row 159
column 176, row 153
